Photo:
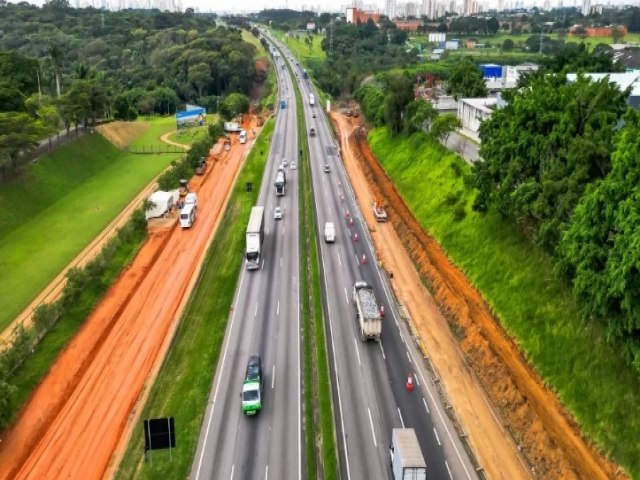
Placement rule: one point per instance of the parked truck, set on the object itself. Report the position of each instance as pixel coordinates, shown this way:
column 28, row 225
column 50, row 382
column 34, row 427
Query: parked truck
column 281, row 182
column 312, row 99
column 232, row 127
column 379, row 212
column 407, row 462
column 255, row 236
column 367, row 312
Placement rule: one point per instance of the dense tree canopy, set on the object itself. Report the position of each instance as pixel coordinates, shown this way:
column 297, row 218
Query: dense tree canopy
column 601, row 248
column 466, row 80
column 544, row 148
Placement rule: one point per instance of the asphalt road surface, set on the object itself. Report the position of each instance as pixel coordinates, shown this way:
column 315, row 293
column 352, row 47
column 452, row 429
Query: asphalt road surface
column 369, row 379
column 265, row 320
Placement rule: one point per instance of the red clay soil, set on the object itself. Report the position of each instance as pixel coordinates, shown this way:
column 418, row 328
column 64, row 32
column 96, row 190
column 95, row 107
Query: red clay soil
column 546, row 434
column 73, row 421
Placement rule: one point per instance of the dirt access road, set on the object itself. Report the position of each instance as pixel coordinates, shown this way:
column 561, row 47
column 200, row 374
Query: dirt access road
column 72, row 423
column 487, row 380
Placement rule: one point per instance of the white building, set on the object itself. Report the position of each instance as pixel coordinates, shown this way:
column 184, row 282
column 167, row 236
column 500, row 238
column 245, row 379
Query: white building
column 586, row 7
column 473, row 111
column 390, row 9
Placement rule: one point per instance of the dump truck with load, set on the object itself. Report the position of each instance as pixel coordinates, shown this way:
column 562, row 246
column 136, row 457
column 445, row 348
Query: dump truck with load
column 281, row 182
column 255, row 235
column 407, row 462
column 367, row 312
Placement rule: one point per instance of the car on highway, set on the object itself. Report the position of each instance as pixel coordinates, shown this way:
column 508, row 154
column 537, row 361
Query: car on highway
column 293, row 165
column 277, row 213
column 285, row 162
column 252, row 388
column 327, row 168
column 314, row 114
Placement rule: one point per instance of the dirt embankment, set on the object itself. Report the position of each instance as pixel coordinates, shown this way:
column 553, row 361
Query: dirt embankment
column 546, row 433
column 121, row 134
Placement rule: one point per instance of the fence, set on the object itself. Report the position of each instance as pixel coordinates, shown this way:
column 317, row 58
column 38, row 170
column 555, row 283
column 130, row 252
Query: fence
column 151, row 149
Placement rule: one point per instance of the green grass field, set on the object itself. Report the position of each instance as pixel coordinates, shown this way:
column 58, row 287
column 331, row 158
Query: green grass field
column 187, row 136
column 310, row 57
column 181, row 389
column 58, row 206
column 249, row 38
column 157, row 127
column 589, row 375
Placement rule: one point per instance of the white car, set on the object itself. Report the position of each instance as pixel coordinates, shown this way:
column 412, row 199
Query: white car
column 293, row 165
column 327, row 168
column 277, row 213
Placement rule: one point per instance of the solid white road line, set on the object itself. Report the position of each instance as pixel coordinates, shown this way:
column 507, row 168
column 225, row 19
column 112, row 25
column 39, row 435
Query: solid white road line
column 408, row 356
column 357, row 352
column 346, row 295
column 373, row 433
column 435, row 432
column 384, row 357
column 400, row 415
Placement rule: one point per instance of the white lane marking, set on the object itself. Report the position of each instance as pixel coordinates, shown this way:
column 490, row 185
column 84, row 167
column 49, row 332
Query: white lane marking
column 280, row 262
column 357, row 261
column 339, row 260
column 400, row 415
column 346, row 295
column 357, row 352
column 435, row 432
column 262, row 266
column 266, row 232
column 255, row 314
column 448, row 469
column 373, row 433
column 408, row 356
column 266, row 473
column 233, row 467
column 273, row 377
column 278, row 308
column 425, row 405
column 218, row 377
column 283, row 230
column 415, row 377
column 382, row 350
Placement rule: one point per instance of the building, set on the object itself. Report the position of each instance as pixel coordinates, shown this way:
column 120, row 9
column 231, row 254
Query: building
column 411, row 9
column 626, row 80
column 586, row 7
column 408, row 25
column 360, row 16
column 390, row 8
column 473, row 111
column 598, row 31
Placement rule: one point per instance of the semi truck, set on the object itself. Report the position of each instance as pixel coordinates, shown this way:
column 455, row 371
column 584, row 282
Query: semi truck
column 255, row 235
column 367, row 312
column 281, row 182
column 312, row 99
column 407, row 462
column 252, row 387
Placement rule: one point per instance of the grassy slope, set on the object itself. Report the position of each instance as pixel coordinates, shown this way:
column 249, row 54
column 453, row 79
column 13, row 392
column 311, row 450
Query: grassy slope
column 249, row 38
column 589, row 375
column 182, row 387
column 308, row 57
column 59, row 206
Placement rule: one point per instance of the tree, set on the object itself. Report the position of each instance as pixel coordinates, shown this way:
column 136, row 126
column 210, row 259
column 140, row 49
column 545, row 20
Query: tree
column 234, row 104
column 543, row 149
column 574, row 57
column 199, row 75
column 399, row 92
column 493, row 25
column 507, row 45
column 466, row 81
column 419, row 116
column 20, row 132
column 443, row 125
column 600, row 250
column 617, row 34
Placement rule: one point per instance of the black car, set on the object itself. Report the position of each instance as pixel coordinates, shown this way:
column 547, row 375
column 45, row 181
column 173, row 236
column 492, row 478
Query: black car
column 254, row 369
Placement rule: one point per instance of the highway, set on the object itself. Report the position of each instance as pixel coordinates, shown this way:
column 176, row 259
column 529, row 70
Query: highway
column 264, row 320
column 369, row 379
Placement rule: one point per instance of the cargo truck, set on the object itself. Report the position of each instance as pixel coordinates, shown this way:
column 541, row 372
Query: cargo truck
column 255, row 235
column 407, row 462
column 281, row 182
column 252, row 387
column 312, row 99
column 232, row 127
column 367, row 312
column 329, row 232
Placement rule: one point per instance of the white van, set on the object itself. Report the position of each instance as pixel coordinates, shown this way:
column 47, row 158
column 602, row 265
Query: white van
column 187, row 215
column 243, row 136
column 329, row 232
column 191, row 198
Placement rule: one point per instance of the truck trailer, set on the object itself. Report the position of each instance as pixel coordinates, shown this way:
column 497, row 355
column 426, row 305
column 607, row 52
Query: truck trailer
column 281, row 182
column 232, row 127
column 407, row 462
column 255, row 236
column 367, row 312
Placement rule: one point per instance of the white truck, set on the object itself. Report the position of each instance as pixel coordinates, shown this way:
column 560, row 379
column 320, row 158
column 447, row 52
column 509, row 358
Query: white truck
column 407, row 462
column 160, row 204
column 254, row 236
column 243, row 136
column 232, row 127
column 281, row 182
column 329, row 232
column 312, row 99
column 367, row 312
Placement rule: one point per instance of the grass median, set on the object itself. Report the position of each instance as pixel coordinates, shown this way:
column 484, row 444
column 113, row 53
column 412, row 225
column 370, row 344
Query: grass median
column 319, row 424
column 182, row 387
column 589, row 375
